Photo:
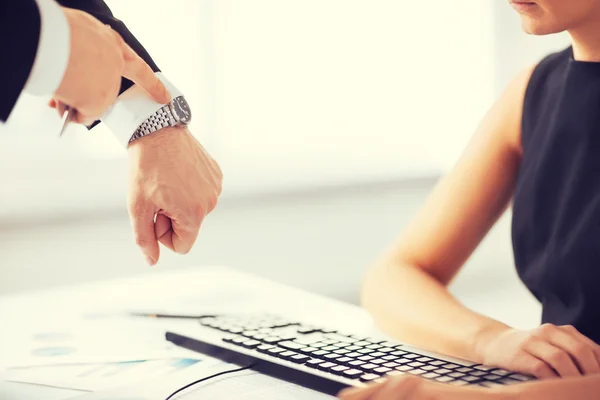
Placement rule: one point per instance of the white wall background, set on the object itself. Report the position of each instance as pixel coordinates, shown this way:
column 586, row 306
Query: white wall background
column 286, row 94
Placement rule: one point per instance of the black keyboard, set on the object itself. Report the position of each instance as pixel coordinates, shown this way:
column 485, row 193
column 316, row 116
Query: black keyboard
column 325, row 359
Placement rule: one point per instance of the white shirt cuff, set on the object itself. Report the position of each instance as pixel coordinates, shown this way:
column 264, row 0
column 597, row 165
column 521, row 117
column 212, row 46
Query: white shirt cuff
column 132, row 108
column 53, row 50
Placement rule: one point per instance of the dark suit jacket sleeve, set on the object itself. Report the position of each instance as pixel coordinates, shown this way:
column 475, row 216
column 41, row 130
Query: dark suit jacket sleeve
column 19, row 36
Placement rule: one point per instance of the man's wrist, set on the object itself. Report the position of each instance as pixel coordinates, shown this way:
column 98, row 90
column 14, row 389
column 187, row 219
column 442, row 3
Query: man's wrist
column 132, row 109
column 160, row 137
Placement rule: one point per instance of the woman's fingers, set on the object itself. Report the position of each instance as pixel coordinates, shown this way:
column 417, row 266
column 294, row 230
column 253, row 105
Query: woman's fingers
column 531, row 365
column 584, row 339
column 558, row 359
column 581, row 352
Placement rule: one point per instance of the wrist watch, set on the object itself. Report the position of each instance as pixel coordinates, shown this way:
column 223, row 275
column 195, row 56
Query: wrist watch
column 176, row 112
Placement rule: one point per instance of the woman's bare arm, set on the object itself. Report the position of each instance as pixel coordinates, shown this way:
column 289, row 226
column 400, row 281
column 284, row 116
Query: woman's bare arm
column 406, row 291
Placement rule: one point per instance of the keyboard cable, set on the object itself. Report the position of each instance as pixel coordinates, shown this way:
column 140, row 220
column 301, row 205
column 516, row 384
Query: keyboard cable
column 230, row 371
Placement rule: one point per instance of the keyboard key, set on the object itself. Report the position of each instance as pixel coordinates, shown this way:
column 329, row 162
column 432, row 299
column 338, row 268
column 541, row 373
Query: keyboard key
column 342, row 351
column 451, row 366
column 395, row 373
column 354, row 354
column 379, row 361
column 388, row 344
column 428, row 367
column 369, row 367
column 249, row 333
column 275, row 350
column 291, row 345
column 387, row 349
column 305, row 329
column 344, row 360
column 391, row 364
column 264, row 347
column 340, row 338
column 424, row 359
column 365, row 351
column 287, row 354
column 444, row 379
column 239, row 340
column 319, row 345
column 404, row 360
column 377, row 354
column 492, row 377
column 374, row 346
column 390, row 358
column 356, row 363
column 483, row 368
column 326, row 366
column 416, row 364
column 522, row 378
column 331, row 348
column 260, row 336
column 404, row 368
column 368, row 377
column 332, row 356
column 437, row 363
column 307, row 350
column 465, row 370
column 398, row 353
column 362, row 343
column 250, row 344
column 382, row 370
column 329, row 341
column 417, row 372
column 431, row 375
column 411, row 355
column 501, row 372
column 471, row 379
column 313, row 362
column 353, row 347
column 352, row 373
column 272, row 339
column 366, row 358
column 478, row 373
column 458, row 382
column 443, row 371
column 456, row 375
column 338, row 369
column 299, row 358
column 319, row 353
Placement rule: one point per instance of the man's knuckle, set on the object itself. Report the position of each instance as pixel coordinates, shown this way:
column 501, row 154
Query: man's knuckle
column 142, row 241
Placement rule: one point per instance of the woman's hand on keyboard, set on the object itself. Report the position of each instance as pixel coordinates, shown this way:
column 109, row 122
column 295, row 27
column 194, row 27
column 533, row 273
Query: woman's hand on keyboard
column 409, row 387
column 548, row 351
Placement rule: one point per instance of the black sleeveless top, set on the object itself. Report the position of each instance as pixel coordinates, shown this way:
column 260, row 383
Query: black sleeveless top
column 556, row 210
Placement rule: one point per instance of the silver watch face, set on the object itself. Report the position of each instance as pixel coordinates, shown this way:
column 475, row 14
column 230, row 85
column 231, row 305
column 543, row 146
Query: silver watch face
column 181, row 109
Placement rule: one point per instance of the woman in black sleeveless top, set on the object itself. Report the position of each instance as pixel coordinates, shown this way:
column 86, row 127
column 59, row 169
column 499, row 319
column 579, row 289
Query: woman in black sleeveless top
column 539, row 146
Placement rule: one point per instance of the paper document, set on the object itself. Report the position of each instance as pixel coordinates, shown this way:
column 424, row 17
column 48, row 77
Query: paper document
column 242, row 385
column 96, row 377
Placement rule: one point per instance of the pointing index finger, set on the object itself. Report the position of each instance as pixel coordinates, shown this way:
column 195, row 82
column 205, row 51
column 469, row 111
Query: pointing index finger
column 136, row 70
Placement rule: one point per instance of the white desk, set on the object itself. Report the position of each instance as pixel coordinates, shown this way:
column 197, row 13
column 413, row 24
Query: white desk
column 191, row 291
